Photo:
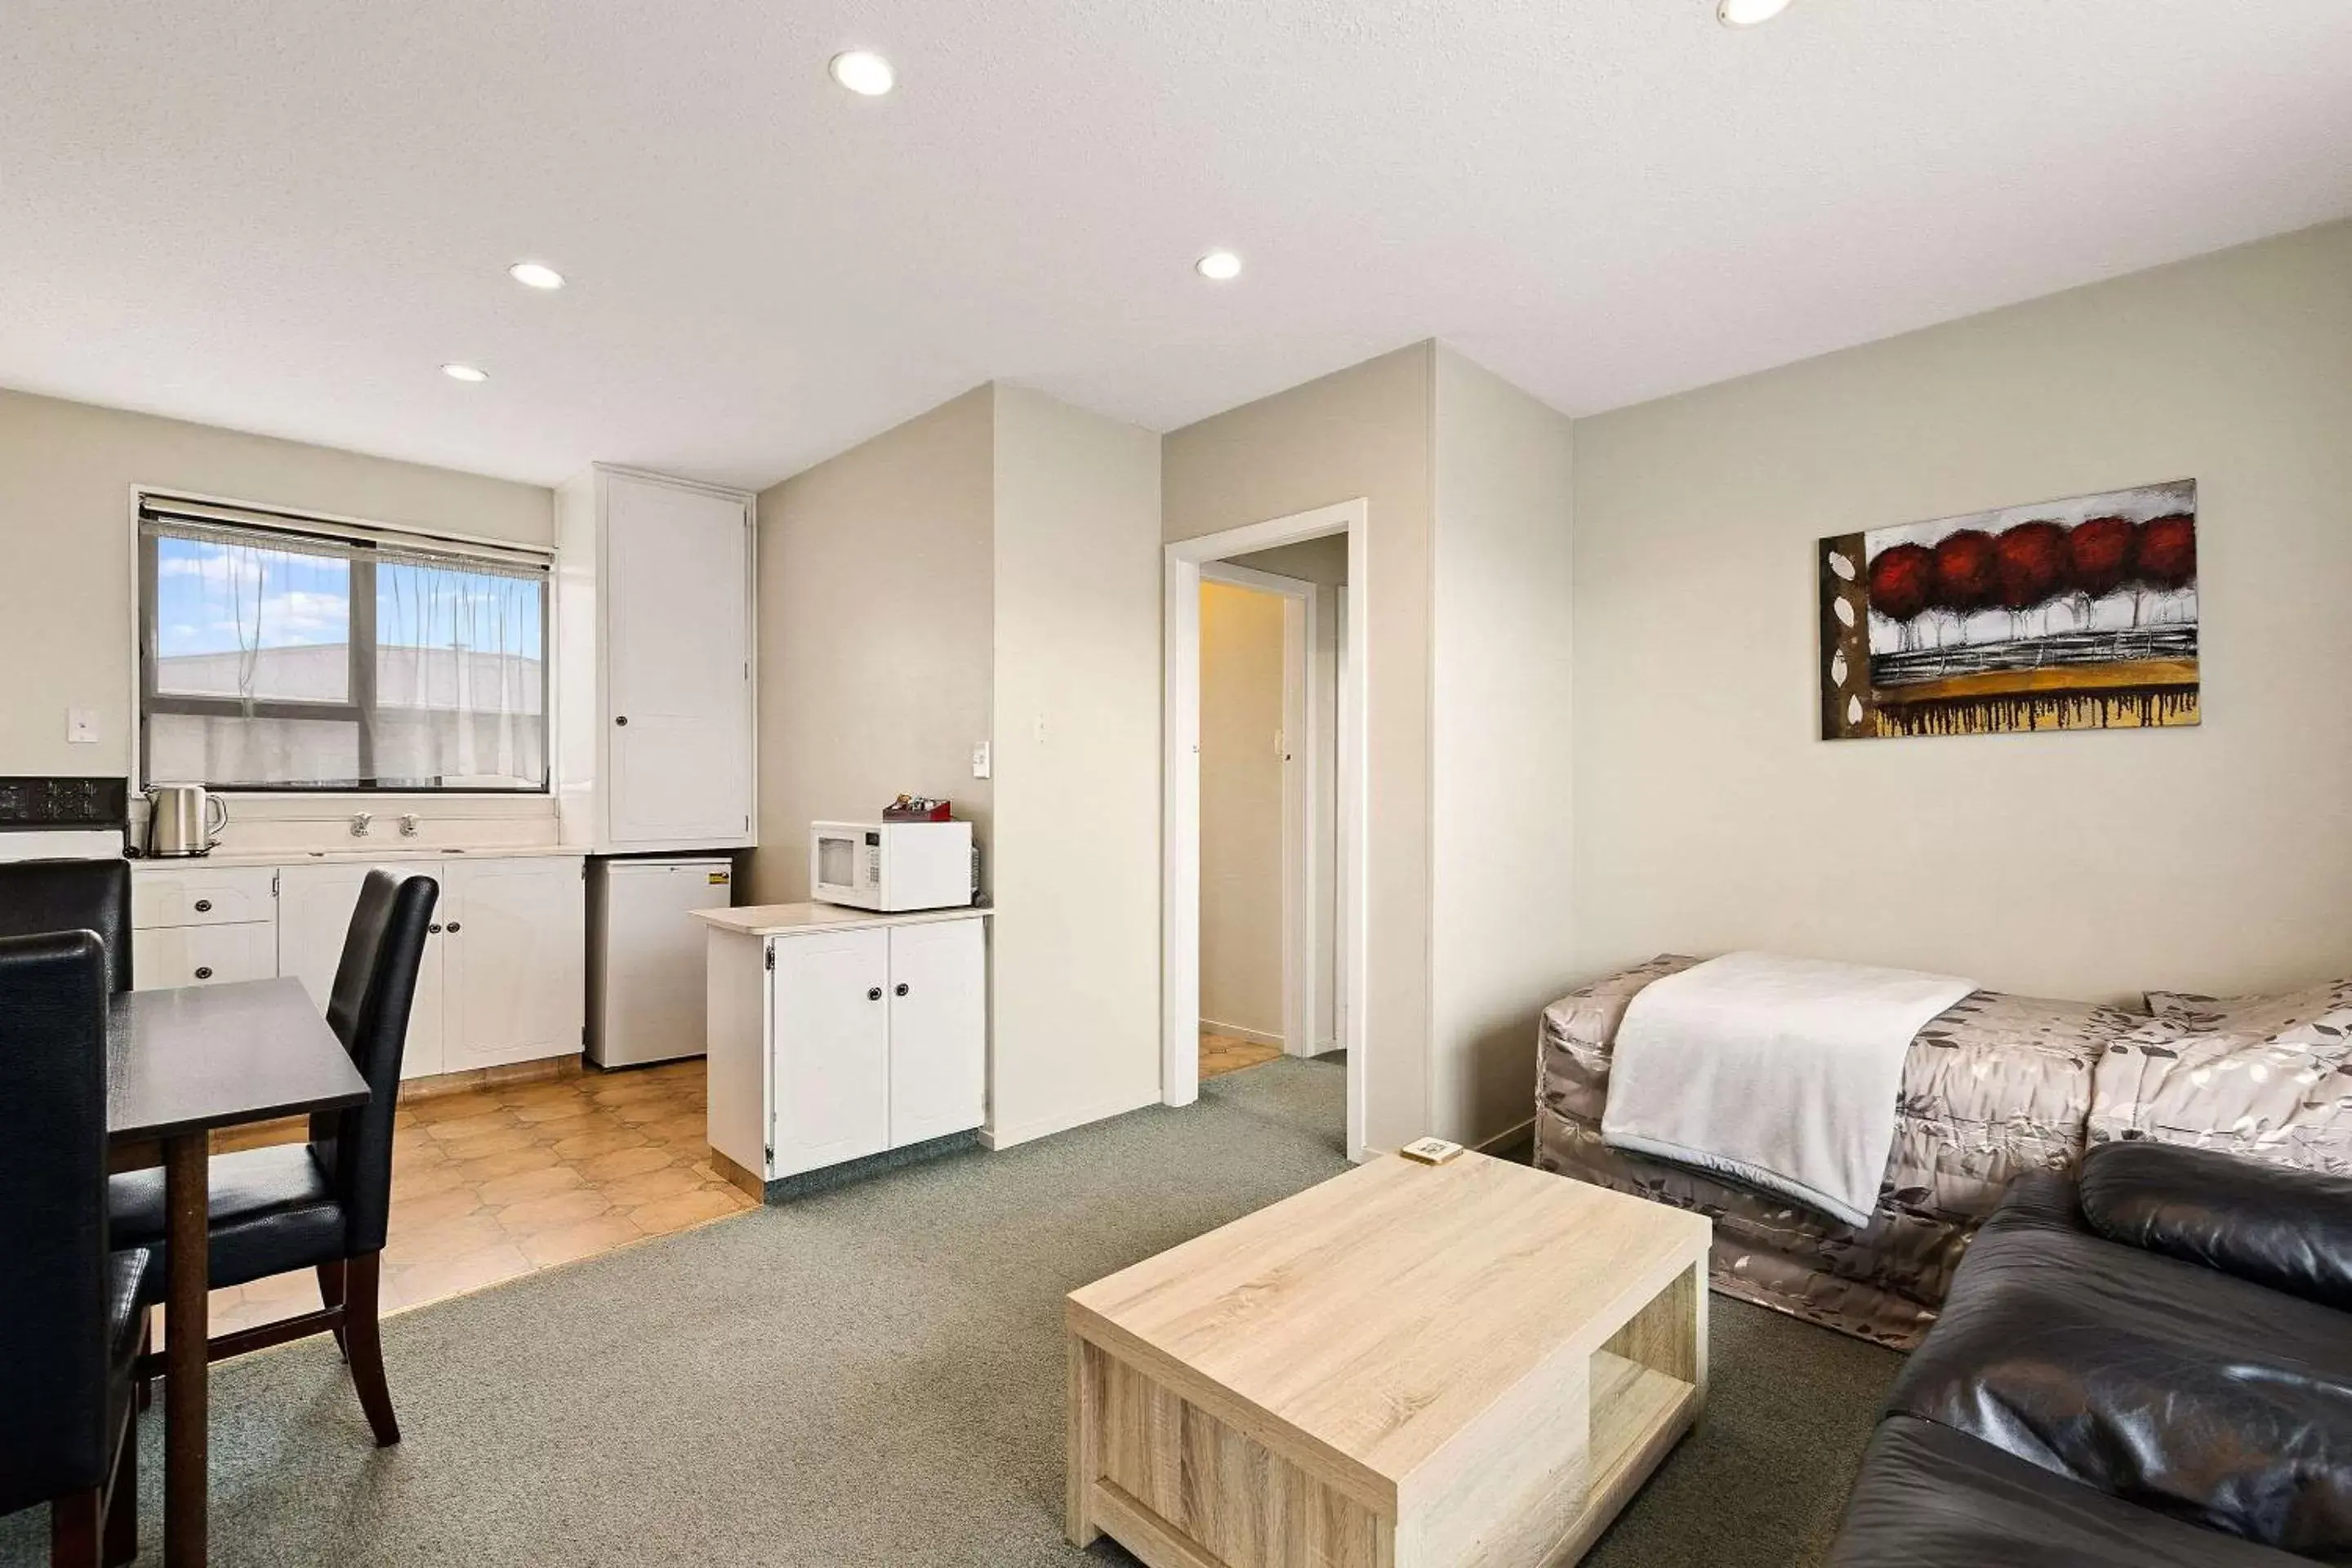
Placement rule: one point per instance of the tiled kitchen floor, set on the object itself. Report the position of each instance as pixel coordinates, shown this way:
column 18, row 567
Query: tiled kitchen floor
column 490, row 1183
column 1224, row 1053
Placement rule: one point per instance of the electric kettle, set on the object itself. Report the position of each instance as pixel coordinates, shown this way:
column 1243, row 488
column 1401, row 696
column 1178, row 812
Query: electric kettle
column 183, row 819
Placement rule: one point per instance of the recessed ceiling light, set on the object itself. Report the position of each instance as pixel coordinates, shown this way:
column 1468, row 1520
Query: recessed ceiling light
column 1219, row 266
column 1747, row 13
column 464, row 373
column 535, row 275
column 863, row 72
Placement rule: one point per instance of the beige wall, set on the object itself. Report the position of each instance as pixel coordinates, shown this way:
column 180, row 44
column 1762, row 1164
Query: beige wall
column 1241, row 809
column 2087, row 864
column 67, row 471
column 1323, row 560
column 876, row 623
column 1364, row 431
column 1074, row 986
column 1502, row 813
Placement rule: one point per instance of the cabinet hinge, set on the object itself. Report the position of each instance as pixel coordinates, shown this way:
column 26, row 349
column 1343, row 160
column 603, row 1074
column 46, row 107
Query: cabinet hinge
column 768, row 1152
column 771, row 956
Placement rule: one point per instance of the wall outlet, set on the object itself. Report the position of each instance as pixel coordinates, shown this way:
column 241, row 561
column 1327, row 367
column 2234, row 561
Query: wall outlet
column 81, row 726
column 980, row 760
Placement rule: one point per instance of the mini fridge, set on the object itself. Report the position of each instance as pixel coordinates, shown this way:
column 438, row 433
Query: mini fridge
column 645, row 964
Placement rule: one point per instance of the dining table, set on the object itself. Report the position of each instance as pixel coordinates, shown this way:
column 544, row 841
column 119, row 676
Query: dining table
column 181, row 1064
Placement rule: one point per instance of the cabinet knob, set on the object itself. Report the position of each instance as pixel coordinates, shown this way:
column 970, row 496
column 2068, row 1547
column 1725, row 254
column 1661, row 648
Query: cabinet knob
column 433, row 930
column 204, row 905
column 902, row 988
column 204, row 971
column 875, row 995
column 620, row 718
column 453, row 928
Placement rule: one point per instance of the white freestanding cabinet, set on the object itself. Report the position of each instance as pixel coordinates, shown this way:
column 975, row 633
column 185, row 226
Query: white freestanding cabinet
column 654, row 640
column 836, row 1033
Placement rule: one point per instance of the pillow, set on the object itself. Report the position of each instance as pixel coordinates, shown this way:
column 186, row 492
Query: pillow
column 2291, row 1230
column 2261, row 1014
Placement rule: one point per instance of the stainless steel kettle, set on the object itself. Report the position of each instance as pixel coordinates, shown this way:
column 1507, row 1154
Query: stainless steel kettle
column 183, row 819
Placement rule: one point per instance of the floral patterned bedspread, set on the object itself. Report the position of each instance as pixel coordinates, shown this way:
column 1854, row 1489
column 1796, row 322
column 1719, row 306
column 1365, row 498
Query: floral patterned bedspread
column 2267, row 1077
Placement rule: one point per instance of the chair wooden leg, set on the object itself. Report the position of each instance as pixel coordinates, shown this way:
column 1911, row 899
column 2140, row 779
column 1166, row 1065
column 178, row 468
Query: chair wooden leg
column 361, row 1279
column 73, row 1530
column 122, row 1501
column 146, row 1385
column 330, row 1295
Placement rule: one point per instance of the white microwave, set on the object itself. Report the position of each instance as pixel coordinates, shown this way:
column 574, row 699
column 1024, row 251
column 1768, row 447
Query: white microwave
column 892, row 865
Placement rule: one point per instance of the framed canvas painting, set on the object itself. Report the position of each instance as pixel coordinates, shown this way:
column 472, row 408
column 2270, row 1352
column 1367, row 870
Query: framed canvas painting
column 2069, row 614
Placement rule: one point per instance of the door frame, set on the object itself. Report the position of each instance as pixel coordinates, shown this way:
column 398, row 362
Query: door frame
column 1302, row 742
column 1179, row 1045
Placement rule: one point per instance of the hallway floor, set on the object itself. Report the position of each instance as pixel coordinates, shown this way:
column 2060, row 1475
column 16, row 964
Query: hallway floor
column 1228, row 1053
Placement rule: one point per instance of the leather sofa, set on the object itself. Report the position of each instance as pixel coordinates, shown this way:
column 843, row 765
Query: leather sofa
column 2149, row 1364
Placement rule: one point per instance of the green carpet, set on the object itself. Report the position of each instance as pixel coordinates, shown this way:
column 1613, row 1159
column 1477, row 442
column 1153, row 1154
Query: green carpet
column 874, row 1376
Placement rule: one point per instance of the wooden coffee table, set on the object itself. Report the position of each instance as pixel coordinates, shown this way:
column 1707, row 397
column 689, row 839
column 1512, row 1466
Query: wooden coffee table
column 1407, row 1366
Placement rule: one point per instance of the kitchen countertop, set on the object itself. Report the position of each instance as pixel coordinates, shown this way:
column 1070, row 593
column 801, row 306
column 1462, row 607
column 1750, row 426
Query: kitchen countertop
column 357, row 854
column 801, row 920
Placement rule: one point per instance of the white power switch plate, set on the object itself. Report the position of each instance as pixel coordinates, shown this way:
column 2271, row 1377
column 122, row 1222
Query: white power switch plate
column 980, row 760
column 81, row 726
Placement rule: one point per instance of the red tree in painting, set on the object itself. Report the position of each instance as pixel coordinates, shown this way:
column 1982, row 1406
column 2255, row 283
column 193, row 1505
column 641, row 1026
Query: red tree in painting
column 1966, row 578
column 2030, row 561
column 2099, row 554
column 1902, row 580
column 2167, row 553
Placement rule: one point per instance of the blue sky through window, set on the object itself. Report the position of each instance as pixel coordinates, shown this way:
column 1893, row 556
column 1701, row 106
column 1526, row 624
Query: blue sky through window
column 217, row 597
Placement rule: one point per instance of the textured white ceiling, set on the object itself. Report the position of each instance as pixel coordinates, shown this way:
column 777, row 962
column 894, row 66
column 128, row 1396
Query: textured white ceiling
column 285, row 215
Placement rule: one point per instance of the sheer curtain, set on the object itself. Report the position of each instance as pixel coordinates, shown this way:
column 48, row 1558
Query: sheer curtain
column 460, row 676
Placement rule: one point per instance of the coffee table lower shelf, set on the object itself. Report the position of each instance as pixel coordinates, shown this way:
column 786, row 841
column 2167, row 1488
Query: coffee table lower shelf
column 1253, row 1507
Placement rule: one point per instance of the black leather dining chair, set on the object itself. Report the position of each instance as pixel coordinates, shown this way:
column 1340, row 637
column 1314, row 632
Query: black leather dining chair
column 71, row 895
column 323, row 1204
column 70, row 1322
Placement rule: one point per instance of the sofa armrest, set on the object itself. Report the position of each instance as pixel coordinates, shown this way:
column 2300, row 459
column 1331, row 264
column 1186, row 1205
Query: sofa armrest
column 2288, row 1229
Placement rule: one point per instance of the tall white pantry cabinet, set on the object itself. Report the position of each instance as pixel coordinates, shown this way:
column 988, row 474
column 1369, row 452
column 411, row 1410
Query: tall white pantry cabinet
column 655, row 713
column 836, row 1035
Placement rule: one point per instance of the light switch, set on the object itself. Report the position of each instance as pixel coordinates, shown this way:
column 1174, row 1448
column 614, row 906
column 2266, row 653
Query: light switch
column 81, row 726
column 980, row 760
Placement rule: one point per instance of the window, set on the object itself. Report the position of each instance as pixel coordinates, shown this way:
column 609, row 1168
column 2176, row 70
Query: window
column 276, row 653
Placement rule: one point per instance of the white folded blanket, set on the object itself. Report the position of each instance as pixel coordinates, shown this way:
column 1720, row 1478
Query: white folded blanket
column 1782, row 1073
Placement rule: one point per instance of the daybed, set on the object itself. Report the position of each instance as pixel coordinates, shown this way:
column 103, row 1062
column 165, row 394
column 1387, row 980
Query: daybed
column 1993, row 1087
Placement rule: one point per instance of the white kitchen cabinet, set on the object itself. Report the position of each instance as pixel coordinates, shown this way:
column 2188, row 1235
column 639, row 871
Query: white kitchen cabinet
column 655, row 651
column 513, row 962
column 832, row 1059
column 836, row 1035
column 176, row 893
column 939, row 1030
column 165, row 957
column 502, row 978
column 314, row 916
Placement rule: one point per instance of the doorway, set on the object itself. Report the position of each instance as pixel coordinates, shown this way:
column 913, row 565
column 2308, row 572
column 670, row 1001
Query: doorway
column 1265, row 928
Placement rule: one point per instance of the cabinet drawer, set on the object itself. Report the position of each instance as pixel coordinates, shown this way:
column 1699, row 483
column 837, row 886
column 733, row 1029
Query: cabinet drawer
column 165, row 957
column 224, row 895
